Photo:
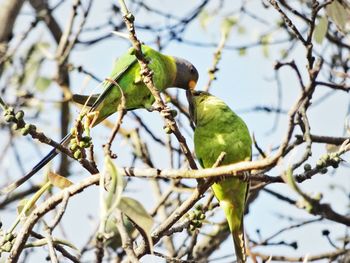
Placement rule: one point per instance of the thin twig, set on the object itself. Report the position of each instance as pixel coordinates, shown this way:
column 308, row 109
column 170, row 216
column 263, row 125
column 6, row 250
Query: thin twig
column 147, row 75
column 126, row 239
column 121, row 114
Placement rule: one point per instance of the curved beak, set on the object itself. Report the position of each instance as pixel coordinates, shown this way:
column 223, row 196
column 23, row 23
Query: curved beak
column 186, row 74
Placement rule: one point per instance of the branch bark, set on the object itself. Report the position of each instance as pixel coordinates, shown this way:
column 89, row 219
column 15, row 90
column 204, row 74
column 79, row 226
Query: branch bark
column 9, row 10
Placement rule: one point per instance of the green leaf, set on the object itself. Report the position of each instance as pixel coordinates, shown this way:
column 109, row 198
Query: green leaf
column 339, row 13
column 137, row 214
column 284, row 53
column 23, row 204
column 112, row 233
column 137, row 144
column 204, row 19
column 42, row 83
column 26, row 206
column 321, row 30
column 227, row 25
column 113, row 238
column 242, row 51
column 116, row 186
column 241, row 30
column 43, row 45
column 30, row 72
column 33, row 62
column 43, row 242
column 265, row 41
column 304, row 203
column 265, row 50
column 289, row 179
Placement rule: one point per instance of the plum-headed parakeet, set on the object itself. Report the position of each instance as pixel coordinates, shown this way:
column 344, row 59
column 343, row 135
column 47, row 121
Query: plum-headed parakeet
column 168, row 72
column 219, row 129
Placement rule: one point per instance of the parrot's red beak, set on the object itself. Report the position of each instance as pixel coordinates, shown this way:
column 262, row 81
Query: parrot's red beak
column 192, row 84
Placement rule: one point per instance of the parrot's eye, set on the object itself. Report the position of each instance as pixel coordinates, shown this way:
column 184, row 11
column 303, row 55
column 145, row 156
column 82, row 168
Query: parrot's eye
column 192, row 70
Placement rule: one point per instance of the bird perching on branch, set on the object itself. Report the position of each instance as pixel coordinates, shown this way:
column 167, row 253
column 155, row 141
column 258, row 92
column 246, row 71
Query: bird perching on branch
column 168, row 71
column 219, row 130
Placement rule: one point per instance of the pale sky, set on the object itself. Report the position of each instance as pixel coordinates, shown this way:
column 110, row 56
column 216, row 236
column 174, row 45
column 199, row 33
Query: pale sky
column 242, row 81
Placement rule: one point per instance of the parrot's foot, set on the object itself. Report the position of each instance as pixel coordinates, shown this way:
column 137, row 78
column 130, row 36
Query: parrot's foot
column 154, row 107
column 90, row 120
column 246, row 176
column 167, row 112
column 151, row 108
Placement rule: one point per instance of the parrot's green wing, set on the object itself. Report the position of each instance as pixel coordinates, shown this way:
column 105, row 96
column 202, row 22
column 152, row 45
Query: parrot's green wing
column 108, row 101
column 219, row 129
column 136, row 94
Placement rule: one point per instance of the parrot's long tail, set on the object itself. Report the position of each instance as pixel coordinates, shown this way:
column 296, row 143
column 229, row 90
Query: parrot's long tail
column 94, row 101
column 52, row 154
column 239, row 243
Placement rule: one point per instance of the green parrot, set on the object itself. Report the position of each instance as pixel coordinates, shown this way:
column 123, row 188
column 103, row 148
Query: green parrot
column 218, row 129
column 168, row 72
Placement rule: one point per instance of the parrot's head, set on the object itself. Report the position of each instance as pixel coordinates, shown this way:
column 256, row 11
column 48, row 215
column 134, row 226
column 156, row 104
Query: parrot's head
column 196, row 100
column 186, row 74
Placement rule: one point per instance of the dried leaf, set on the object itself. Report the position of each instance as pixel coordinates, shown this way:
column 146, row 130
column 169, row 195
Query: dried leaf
column 58, row 180
column 331, row 148
column 339, row 13
column 42, row 83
